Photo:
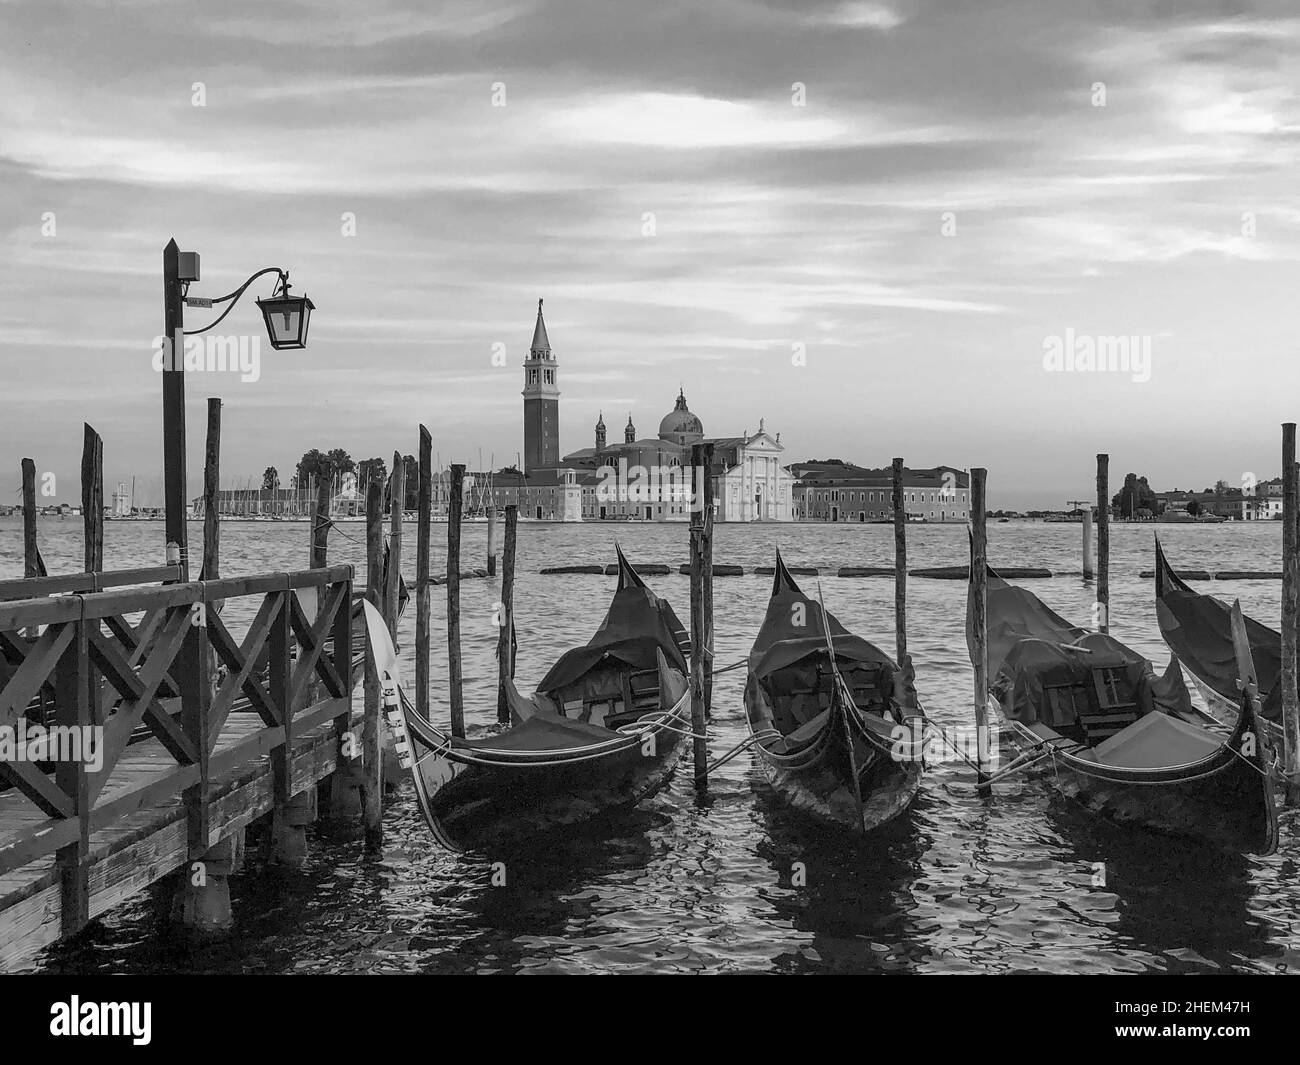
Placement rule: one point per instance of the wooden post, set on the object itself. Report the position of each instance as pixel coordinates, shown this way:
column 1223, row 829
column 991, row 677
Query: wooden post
column 701, row 501
column 979, row 614
column 1087, row 542
column 173, row 389
column 492, row 542
column 708, row 586
column 900, row 564
column 371, row 736
column 320, row 525
column 425, row 516
column 32, row 566
column 396, row 501
column 31, row 553
column 1290, row 594
column 1103, row 543
column 92, row 499
column 72, row 685
column 92, row 519
column 211, row 483
column 455, row 693
column 506, row 638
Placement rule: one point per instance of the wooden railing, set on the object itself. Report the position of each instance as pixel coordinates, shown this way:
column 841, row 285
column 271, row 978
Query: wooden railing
column 87, row 647
column 34, row 587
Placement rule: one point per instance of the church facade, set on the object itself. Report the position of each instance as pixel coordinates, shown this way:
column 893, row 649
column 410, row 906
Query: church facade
column 641, row 478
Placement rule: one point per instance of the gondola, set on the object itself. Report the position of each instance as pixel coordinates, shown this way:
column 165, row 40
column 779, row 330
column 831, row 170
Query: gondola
column 1108, row 732
column 1198, row 629
column 827, row 717
column 604, row 730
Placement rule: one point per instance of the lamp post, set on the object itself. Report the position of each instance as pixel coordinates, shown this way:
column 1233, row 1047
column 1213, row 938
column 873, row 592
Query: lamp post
column 287, row 318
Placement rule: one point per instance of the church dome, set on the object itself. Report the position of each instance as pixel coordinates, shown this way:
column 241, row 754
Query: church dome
column 679, row 425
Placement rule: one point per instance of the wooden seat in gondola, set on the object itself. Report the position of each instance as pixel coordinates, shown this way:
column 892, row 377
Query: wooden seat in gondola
column 1115, row 709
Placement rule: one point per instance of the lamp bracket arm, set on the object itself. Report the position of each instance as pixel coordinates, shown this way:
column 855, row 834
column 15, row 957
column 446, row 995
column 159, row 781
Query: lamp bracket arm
column 233, row 297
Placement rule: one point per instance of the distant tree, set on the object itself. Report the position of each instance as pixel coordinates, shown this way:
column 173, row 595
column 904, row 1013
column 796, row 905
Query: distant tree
column 314, row 463
column 1194, row 507
column 1221, row 487
column 270, row 478
column 372, row 471
column 1135, row 496
column 341, row 462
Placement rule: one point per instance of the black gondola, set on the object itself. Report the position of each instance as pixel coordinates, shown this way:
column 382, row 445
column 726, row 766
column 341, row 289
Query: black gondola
column 1198, row 629
column 1111, row 734
column 604, row 730
column 830, row 728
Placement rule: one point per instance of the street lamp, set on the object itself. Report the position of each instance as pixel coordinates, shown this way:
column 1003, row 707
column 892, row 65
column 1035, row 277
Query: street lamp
column 287, row 318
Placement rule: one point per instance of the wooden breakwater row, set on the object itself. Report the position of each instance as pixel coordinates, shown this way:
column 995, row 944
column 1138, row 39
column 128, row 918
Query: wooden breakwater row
column 938, row 573
column 1222, row 575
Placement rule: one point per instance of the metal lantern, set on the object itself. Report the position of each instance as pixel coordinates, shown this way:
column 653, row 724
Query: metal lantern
column 287, row 318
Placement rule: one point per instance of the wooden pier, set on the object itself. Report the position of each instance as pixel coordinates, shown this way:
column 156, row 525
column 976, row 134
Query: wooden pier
column 237, row 728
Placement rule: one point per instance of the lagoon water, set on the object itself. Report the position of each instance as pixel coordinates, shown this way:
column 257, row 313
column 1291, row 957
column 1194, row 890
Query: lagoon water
column 1021, row 882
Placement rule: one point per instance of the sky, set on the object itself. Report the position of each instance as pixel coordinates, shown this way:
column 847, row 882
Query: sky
column 869, row 224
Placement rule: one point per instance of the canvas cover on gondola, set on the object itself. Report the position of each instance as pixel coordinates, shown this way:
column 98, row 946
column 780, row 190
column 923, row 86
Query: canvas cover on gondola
column 637, row 624
column 1029, row 649
column 795, row 628
column 1198, row 629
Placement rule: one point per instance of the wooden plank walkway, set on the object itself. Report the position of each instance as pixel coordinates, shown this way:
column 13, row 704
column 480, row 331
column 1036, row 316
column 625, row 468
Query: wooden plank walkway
column 143, row 847
column 221, row 747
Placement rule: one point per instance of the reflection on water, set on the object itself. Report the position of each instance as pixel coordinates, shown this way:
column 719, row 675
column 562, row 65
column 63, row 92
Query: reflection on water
column 1020, row 882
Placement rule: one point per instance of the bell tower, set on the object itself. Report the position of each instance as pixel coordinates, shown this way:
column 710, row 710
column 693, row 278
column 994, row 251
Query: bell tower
column 541, row 403
column 600, row 432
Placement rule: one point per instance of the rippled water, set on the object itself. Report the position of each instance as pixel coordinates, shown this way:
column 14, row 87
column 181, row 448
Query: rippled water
column 686, row 884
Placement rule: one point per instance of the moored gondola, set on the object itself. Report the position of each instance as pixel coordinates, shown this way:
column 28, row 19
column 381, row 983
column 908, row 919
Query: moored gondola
column 1198, row 629
column 827, row 717
column 1108, row 732
column 604, row 730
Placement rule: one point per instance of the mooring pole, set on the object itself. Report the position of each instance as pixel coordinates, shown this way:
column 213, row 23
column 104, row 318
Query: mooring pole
column 979, row 614
column 31, row 553
column 1087, row 541
column 211, row 490
column 1290, row 597
column 900, row 564
column 1103, row 543
column 320, row 524
column 492, row 543
column 700, row 503
column 393, row 588
column 173, row 387
column 371, row 730
column 454, row 504
column 708, row 585
column 92, row 518
column 506, row 638
column 424, row 516
column 92, row 499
